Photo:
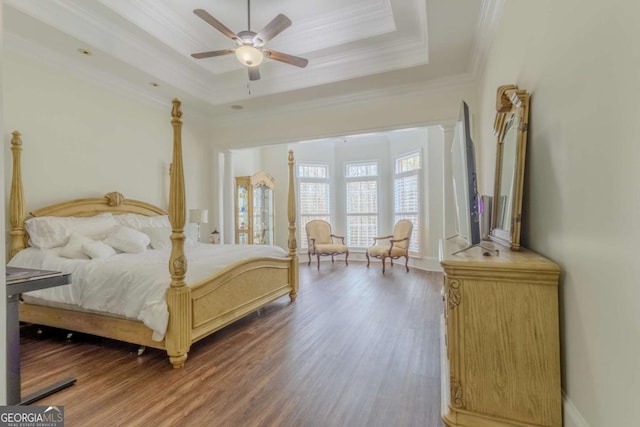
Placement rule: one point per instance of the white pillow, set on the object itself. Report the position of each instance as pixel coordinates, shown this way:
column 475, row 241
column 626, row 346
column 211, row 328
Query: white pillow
column 138, row 222
column 96, row 249
column 128, row 240
column 48, row 232
column 159, row 236
column 96, row 227
column 73, row 249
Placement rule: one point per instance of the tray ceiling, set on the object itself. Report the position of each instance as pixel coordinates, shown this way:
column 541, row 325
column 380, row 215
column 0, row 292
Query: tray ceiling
column 357, row 45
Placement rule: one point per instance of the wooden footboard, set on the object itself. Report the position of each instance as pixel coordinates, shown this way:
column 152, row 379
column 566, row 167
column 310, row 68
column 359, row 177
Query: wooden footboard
column 195, row 310
column 236, row 291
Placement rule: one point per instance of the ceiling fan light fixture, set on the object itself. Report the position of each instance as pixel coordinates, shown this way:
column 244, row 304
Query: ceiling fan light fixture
column 249, row 55
column 251, row 51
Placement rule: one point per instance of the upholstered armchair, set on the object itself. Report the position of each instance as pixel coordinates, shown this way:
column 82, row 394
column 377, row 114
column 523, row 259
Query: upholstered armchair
column 397, row 246
column 321, row 242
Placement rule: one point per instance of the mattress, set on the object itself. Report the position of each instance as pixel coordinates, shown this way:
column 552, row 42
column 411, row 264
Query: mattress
column 132, row 286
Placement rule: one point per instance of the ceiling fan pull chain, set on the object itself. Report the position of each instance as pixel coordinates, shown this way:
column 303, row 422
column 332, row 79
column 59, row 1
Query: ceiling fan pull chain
column 249, row 88
column 249, row 15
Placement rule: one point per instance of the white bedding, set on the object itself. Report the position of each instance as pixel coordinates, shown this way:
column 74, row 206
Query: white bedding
column 133, row 285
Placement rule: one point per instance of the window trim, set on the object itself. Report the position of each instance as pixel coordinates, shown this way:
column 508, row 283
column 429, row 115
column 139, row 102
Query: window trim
column 419, row 173
column 347, row 179
column 302, row 179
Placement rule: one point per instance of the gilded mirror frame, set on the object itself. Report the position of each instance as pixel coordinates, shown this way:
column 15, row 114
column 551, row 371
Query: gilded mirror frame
column 511, row 122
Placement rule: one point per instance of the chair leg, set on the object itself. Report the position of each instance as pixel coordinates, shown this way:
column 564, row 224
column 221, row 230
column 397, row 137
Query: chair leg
column 318, row 262
column 382, row 265
column 368, row 260
column 346, row 258
column 309, row 253
column 406, row 262
column 332, row 259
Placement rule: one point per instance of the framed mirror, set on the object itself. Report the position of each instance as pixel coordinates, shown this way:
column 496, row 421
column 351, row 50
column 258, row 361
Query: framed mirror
column 510, row 127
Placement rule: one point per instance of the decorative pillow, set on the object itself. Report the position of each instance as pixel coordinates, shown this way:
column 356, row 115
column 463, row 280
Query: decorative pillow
column 138, row 222
column 96, row 249
column 126, row 239
column 73, row 249
column 159, row 236
column 48, row 232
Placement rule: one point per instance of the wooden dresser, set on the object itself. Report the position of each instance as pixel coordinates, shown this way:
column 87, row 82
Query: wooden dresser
column 500, row 349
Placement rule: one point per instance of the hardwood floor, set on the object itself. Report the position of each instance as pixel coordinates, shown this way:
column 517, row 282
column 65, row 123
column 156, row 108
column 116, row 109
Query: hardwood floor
column 356, row 349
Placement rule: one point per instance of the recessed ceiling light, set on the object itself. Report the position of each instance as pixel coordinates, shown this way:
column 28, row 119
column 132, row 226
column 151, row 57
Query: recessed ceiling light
column 236, row 107
column 84, row 51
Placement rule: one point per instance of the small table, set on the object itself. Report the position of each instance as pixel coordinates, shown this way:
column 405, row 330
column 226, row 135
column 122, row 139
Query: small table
column 21, row 280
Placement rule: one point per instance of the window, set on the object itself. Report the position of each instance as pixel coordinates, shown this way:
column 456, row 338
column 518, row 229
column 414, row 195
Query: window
column 314, row 196
column 362, row 203
column 406, row 194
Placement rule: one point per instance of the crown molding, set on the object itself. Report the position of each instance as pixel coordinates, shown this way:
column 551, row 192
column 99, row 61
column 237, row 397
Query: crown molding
column 234, row 119
column 365, row 19
column 490, row 14
column 390, row 56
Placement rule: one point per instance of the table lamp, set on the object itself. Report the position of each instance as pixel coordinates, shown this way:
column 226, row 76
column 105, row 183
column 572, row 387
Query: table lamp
column 198, row 216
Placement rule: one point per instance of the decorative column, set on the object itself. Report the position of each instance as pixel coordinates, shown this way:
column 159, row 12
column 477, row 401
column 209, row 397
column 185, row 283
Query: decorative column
column 291, row 242
column 16, row 199
column 229, row 199
column 178, row 336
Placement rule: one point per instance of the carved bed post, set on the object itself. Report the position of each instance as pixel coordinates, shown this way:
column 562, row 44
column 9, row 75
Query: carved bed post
column 16, row 199
column 292, row 244
column 177, row 339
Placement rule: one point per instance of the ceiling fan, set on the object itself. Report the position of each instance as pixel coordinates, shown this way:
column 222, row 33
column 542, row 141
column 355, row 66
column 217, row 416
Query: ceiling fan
column 250, row 50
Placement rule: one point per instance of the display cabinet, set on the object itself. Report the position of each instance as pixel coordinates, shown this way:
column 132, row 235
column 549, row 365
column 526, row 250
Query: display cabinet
column 254, row 209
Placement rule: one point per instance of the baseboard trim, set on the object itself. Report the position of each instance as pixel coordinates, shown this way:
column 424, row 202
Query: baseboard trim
column 572, row 417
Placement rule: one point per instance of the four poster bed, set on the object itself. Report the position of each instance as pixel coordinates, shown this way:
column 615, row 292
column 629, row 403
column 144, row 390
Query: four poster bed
column 186, row 309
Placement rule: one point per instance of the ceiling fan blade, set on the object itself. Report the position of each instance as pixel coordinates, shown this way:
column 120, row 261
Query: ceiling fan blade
column 273, row 28
column 215, row 23
column 254, row 73
column 283, row 57
column 212, row 53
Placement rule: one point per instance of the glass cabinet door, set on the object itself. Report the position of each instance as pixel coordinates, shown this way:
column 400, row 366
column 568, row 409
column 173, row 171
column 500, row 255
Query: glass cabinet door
column 242, row 212
column 262, row 215
column 254, row 209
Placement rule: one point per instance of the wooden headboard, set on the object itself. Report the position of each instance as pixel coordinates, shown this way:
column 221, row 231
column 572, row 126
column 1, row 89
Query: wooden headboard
column 113, row 202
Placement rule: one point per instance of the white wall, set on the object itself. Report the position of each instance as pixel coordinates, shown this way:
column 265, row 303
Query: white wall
column 581, row 62
column 81, row 140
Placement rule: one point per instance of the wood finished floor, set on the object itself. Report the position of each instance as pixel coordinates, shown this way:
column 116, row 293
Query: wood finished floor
column 355, row 349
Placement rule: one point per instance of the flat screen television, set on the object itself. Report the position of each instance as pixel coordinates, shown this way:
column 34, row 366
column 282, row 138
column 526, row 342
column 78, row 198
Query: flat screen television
column 465, row 188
